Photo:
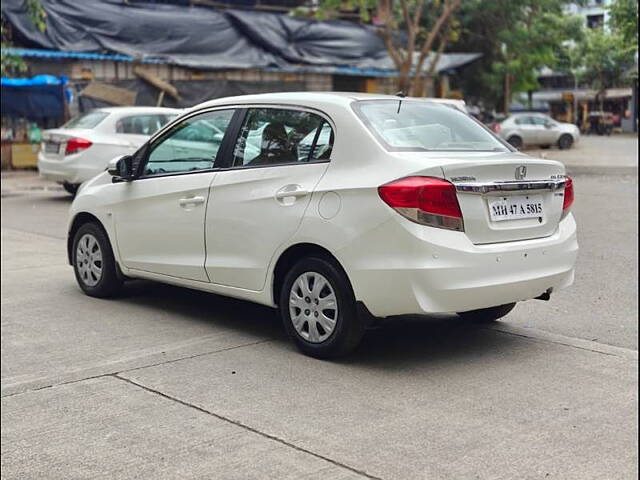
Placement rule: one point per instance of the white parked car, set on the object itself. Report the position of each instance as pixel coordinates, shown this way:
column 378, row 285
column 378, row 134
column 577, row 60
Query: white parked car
column 537, row 129
column 349, row 208
column 83, row 147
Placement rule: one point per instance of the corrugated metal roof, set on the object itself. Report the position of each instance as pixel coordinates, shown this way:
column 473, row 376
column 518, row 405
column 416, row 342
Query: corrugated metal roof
column 447, row 61
column 59, row 55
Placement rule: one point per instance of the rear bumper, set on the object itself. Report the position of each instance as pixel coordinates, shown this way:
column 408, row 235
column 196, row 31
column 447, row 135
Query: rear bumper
column 439, row 271
column 69, row 170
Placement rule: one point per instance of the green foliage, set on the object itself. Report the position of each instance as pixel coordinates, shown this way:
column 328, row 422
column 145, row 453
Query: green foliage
column 517, row 38
column 624, row 20
column 604, row 56
column 12, row 64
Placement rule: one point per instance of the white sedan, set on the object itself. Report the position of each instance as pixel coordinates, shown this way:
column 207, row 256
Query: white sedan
column 349, row 208
column 531, row 129
column 83, row 147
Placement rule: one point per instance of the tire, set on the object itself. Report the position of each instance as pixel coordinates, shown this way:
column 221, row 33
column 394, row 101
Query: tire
column 93, row 262
column 487, row 314
column 71, row 188
column 565, row 141
column 320, row 338
column 515, row 141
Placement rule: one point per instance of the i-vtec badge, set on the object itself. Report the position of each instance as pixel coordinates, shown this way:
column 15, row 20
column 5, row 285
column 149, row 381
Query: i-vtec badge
column 521, row 172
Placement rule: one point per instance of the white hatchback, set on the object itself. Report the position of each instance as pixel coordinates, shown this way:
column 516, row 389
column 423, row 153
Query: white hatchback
column 83, row 147
column 337, row 209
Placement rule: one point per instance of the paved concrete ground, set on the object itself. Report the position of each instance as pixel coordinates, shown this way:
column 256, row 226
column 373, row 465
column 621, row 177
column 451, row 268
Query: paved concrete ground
column 170, row 383
column 597, row 154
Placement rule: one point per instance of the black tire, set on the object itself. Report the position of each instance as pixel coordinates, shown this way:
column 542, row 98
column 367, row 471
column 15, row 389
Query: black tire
column 71, row 188
column 109, row 281
column 565, row 142
column 349, row 326
column 488, row 314
column 515, row 141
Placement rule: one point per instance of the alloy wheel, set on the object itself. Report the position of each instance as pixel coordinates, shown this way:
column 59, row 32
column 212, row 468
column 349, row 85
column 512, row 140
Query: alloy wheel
column 89, row 260
column 313, row 307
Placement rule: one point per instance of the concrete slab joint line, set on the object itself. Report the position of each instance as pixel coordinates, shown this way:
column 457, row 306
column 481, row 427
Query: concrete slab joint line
column 246, row 427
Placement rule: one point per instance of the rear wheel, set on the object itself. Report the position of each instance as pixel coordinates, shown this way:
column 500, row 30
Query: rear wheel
column 487, row 314
column 565, row 141
column 318, row 309
column 71, row 188
column 515, row 141
column 93, row 262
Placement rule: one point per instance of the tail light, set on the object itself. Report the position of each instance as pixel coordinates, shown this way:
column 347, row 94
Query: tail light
column 496, row 127
column 424, row 200
column 75, row 145
column 568, row 196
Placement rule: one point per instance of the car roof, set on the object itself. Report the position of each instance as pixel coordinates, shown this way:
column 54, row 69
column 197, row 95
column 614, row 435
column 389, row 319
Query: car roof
column 309, row 99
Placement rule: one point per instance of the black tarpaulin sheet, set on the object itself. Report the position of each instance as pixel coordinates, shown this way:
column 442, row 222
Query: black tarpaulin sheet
column 198, row 37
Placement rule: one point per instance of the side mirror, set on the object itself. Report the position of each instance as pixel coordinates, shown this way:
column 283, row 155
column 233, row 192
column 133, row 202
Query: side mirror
column 121, row 167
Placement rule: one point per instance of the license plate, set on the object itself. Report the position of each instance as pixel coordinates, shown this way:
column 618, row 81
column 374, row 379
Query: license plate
column 515, row 207
column 51, row 147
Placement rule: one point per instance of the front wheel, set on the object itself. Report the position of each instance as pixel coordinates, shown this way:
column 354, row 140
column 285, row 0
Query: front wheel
column 93, row 262
column 488, row 314
column 318, row 309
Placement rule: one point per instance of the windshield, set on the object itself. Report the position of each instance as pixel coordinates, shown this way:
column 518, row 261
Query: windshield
column 88, row 120
column 406, row 125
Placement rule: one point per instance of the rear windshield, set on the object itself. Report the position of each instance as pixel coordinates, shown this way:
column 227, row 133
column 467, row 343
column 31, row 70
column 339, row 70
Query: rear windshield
column 88, row 120
column 416, row 126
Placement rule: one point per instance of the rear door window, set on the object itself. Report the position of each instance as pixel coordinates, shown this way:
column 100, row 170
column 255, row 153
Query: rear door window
column 274, row 136
column 142, row 124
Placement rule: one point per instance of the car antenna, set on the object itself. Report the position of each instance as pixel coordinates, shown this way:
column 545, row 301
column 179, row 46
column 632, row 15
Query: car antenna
column 400, row 94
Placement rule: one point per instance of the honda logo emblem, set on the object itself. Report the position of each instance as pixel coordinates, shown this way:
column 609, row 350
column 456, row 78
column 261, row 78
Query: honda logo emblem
column 521, row 172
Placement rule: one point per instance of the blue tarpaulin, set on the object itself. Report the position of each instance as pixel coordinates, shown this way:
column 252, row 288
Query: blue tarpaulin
column 36, row 98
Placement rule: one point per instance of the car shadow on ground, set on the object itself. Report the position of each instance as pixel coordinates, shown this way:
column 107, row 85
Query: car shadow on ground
column 395, row 344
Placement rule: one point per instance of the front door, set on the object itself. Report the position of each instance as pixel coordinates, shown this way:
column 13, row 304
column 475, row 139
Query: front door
column 159, row 217
column 258, row 203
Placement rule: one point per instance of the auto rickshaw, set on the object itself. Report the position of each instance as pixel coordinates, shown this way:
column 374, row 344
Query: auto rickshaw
column 600, row 123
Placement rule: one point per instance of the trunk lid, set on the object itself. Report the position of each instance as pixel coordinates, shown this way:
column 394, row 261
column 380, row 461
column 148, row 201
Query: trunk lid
column 54, row 141
column 506, row 197
column 483, row 178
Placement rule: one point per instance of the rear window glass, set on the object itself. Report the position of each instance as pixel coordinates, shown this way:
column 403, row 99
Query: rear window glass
column 142, row 124
column 88, row 120
column 405, row 125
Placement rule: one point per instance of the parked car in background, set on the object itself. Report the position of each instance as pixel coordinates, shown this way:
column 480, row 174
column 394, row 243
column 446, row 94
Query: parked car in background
column 536, row 129
column 333, row 208
column 83, row 147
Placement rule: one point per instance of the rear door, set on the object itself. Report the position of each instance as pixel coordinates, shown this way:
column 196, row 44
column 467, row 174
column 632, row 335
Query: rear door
column 258, row 202
column 527, row 129
column 160, row 216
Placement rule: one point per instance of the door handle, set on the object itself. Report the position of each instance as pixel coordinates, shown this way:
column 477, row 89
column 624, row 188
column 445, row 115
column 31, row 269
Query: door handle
column 191, row 201
column 292, row 190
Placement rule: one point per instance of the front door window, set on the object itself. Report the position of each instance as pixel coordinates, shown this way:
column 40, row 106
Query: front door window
column 191, row 145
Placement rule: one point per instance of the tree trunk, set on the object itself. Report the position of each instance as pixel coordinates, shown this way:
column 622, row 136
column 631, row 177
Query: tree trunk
column 507, row 92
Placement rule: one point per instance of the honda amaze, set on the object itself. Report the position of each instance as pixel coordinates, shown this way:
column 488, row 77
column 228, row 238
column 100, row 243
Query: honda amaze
column 336, row 209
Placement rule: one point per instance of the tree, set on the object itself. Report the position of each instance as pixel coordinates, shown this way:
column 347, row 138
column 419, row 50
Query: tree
column 624, row 20
column 605, row 56
column 411, row 30
column 12, row 64
column 517, row 39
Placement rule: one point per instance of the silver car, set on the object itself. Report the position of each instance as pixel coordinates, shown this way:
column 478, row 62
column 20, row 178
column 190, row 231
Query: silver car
column 528, row 129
